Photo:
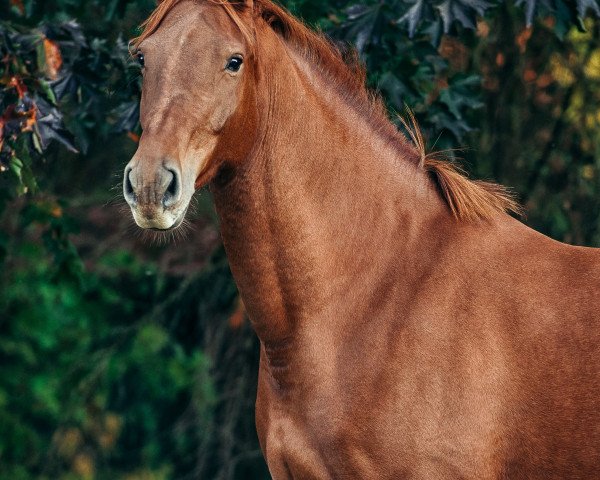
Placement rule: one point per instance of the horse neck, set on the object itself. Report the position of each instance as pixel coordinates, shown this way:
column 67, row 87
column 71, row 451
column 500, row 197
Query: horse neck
column 324, row 206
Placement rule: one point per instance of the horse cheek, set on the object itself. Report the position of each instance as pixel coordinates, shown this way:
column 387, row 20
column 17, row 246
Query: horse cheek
column 220, row 116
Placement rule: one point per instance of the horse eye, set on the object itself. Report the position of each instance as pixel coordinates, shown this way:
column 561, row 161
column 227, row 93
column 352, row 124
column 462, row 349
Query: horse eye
column 140, row 58
column 234, row 64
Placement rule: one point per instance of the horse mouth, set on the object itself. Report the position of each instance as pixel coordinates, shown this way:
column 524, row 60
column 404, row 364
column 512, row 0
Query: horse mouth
column 158, row 223
column 175, row 225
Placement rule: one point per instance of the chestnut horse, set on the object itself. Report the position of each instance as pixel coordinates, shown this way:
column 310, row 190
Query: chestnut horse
column 410, row 328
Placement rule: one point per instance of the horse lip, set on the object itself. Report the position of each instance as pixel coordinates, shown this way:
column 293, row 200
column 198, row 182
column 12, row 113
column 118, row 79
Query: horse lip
column 176, row 224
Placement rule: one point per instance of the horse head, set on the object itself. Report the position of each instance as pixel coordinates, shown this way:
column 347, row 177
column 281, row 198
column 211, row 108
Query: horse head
column 198, row 105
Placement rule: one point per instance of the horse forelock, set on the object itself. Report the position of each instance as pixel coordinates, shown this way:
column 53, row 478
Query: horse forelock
column 151, row 24
column 467, row 199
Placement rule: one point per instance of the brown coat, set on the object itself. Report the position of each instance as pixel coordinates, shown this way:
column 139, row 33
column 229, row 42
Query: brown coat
column 409, row 327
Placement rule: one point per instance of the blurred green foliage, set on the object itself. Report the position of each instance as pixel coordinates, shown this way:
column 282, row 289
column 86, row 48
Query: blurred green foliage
column 120, row 359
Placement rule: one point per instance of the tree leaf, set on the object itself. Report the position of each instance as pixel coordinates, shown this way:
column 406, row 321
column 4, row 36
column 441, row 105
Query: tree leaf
column 530, row 6
column 49, row 126
column 128, row 115
column 463, row 11
column 584, row 5
column 53, row 58
column 360, row 25
column 47, row 89
column 413, row 16
column 394, row 89
column 67, row 84
column 534, row 6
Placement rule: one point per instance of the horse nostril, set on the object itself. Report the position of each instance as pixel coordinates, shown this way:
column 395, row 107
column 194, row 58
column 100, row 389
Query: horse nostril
column 128, row 188
column 173, row 190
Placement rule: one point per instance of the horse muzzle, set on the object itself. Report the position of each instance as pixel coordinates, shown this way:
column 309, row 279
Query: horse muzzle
column 155, row 197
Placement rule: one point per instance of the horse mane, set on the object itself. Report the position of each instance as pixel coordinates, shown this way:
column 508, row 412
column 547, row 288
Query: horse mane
column 467, row 199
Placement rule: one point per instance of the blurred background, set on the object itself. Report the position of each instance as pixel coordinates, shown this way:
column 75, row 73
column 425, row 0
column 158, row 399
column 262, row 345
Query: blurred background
column 125, row 357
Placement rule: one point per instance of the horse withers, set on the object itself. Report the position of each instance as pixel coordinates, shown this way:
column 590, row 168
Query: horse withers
column 409, row 326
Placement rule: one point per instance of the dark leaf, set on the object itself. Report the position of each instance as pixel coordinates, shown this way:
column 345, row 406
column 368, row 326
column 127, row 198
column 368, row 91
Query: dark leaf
column 463, row 11
column 413, row 16
column 356, row 11
column 529, row 11
column 443, row 121
column 566, row 16
column 584, row 5
column 360, row 26
column 110, row 9
column 67, row 31
column 435, row 31
column 65, row 85
column 458, row 103
column 50, row 126
column 128, row 115
column 534, row 6
column 394, row 90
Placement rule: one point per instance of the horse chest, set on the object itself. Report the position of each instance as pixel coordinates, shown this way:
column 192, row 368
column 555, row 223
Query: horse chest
column 297, row 448
column 353, row 429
